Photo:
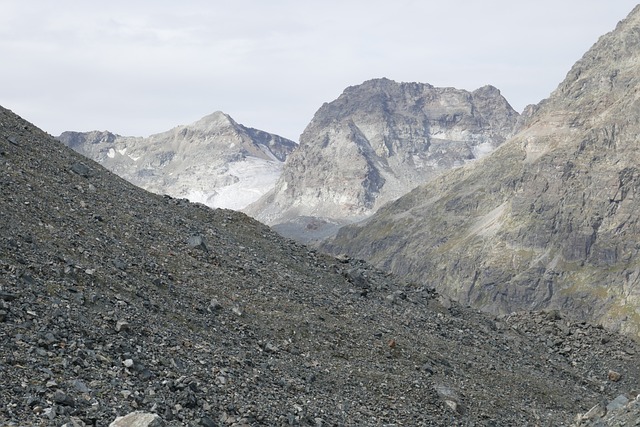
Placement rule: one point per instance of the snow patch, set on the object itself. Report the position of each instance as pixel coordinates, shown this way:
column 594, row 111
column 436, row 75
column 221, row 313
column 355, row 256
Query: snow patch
column 111, row 153
column 255, row 178
column 418, row 162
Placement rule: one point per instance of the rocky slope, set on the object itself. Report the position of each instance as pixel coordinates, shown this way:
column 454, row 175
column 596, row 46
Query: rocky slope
column 114, row 299
column 215, row 160
column 549, row 220
column 376, row 142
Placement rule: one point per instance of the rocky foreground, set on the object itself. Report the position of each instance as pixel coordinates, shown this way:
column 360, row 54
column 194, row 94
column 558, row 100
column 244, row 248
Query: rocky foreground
column 115, row 300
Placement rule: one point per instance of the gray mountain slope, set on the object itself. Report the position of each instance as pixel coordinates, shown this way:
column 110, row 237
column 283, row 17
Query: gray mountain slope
column 215, row 160
column 114, row 299
column 376, row 142
column 550, row 219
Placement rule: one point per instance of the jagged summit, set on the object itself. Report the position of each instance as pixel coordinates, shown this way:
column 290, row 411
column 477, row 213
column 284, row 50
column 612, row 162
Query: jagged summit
column 548, row 220
column 214, row 121
column 215, row 160
column 377, row 141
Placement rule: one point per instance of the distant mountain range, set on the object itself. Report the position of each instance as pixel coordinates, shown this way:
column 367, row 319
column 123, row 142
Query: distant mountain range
column 374, row 143
column 215, row 160
column 549, row 219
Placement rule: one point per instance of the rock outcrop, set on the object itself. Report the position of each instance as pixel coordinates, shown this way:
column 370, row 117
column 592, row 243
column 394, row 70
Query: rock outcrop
column 549, row 219
column 214, row 161
column 378, row 141
column 117, row 301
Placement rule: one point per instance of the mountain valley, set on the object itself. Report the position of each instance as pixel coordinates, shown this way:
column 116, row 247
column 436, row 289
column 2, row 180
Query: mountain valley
column 118, row 302
column 470, row 266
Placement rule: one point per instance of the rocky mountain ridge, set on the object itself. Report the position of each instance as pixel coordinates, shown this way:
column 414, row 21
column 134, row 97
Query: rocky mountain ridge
column 549, row 219
column 376, row 142
column 115, row 300
column 215, row 160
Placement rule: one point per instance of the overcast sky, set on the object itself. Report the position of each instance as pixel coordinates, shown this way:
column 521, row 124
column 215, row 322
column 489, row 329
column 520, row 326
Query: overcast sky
column 142, row 67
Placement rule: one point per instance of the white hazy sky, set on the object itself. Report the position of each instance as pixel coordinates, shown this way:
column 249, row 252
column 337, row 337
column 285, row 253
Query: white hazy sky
column 138, row 67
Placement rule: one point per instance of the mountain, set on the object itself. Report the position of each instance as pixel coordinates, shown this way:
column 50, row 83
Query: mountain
column 376, row 142
column 214, row 161
column 115, row 301
column 549, row 219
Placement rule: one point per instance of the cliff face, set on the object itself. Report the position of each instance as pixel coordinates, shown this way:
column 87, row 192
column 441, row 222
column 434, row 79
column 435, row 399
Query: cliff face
column 379, row 140
column 215, row 160
column 550, row 218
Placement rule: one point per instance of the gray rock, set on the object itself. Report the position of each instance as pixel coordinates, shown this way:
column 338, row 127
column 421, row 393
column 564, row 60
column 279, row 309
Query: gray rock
column 81, row 169
column 138, row 419
column 122, row 326
column 80, row 386
column 63, row 398
column 207, row 422
column 7, row 296
column 214, row 305
column 119, row 264
column 198, row 242
column 617, row 403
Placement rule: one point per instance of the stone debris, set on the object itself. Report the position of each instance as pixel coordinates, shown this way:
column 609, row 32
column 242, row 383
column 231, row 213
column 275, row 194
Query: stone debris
column 623, row 411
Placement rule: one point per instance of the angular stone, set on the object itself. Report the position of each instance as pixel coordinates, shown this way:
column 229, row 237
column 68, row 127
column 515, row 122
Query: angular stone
column 197, row 242
column 80, row 386
column 122, row 326
column 119, row 264
column 81, row 169
column 207, row 422
column 138, row 419
column 7, row 296
column 617, row 403
column 614, row 376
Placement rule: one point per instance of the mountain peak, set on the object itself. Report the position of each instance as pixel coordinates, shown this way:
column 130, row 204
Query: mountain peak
column 214, row 160
column 213, row 121
column 377, row 141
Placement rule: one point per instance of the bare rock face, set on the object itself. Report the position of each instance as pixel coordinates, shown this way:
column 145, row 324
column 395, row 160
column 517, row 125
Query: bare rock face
column 549, row 220
column 379, row 140
column 215, row 160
